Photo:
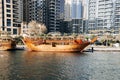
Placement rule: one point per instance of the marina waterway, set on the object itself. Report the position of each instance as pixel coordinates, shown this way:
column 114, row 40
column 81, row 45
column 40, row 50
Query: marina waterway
column 25, row 65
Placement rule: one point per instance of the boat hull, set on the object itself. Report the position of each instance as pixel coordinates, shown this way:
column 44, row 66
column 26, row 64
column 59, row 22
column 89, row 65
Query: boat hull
column 57, row 45
column 56, row 48
column 7, row 46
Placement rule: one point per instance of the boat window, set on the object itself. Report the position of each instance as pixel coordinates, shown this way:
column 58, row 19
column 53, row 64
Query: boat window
column 53, row 44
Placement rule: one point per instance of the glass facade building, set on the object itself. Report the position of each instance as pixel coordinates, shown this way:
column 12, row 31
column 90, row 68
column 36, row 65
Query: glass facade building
column 67, row 10
column 73, row 13
column 76, row 12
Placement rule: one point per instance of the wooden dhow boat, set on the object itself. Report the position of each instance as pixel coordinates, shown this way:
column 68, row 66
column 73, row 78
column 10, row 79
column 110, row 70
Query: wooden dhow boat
column 7, row 42
column 56, row 44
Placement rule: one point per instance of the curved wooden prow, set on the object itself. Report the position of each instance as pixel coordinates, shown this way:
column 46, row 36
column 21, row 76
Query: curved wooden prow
column 93, row 40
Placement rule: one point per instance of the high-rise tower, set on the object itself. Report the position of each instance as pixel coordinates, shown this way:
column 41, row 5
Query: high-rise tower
column 30, row 10
column 67, row 10
column 53, row 15
column 117, row 16
column 103, row 15
column 92, row 10
column 10, row 17
column 74, row 15
column 44, row 11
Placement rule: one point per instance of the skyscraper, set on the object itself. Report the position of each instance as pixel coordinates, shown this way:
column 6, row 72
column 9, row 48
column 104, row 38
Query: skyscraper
column 103, row 15
column 30, row 10
column 53, row 15
column 67, row 10
column 85, row 15
column 92, row 11
column 74, row 15
column 44, row 11
column 85, row 9
column 49, row 14
column 25, row 11
column 10, row 17
column 117, row 16
column 76, row 9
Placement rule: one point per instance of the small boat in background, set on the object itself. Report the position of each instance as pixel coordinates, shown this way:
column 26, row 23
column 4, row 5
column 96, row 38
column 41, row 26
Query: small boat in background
column 6, row 42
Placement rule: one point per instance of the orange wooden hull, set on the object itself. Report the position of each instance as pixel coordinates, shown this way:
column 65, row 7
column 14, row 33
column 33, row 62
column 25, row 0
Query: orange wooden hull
column 75, row 47
column 7, row 46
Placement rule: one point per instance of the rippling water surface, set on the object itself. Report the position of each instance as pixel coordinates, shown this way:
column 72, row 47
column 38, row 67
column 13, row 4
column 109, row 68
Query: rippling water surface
column 23, row 65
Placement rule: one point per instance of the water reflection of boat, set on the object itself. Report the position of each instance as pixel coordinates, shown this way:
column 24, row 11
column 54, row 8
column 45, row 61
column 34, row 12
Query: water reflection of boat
column 56, row 44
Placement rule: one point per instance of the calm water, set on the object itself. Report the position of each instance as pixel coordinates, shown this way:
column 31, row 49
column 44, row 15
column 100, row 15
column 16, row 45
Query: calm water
column 23, row 65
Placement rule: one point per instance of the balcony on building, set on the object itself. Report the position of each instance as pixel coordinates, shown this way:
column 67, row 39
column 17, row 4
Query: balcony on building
column 52, row 2
column 15, row 16
column 108, row 2
column 15, row 2
column 117, row 13
column 15, row 7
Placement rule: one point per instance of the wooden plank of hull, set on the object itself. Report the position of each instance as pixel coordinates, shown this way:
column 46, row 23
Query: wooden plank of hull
column 4, row 48
column 7, row 46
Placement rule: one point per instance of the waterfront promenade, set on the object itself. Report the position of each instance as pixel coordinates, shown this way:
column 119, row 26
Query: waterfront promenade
column 104, row 48
column 20, row 47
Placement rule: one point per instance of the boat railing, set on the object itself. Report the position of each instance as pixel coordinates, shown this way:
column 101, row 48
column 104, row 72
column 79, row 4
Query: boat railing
column 57, row 40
